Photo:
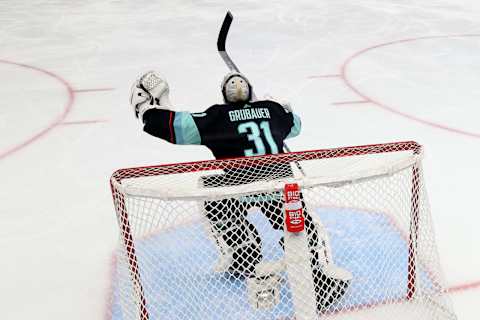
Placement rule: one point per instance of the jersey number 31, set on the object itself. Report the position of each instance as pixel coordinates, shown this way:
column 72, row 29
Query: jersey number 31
column 254, row 133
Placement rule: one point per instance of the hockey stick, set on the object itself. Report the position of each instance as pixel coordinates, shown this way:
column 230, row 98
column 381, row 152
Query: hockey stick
column 222, row 39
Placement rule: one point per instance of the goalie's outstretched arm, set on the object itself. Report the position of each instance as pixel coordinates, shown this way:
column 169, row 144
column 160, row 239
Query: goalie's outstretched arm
column 151, row 103
column 174, row 127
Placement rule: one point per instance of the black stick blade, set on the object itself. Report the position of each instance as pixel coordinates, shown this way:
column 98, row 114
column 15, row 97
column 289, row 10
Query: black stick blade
column 222, row 36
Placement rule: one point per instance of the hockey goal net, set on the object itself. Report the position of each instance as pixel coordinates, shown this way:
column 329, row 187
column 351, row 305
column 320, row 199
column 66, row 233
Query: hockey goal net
column 206, row 240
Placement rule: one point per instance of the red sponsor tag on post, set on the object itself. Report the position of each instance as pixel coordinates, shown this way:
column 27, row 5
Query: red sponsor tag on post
column 294, row 219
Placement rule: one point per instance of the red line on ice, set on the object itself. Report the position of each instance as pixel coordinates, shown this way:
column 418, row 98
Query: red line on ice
column 350, row 102
column 93, row 90
column 348, row 82
column 65, row 123
column 464, row 286
column 325, row 76
column 67, row 108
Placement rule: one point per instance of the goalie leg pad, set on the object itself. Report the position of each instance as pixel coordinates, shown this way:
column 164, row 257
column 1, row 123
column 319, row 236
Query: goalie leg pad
column 237, row 239
column 319, row 241
column 331, row 282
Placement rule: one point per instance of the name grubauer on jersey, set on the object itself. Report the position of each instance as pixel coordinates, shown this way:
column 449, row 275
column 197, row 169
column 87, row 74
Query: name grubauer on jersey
column 228, row 130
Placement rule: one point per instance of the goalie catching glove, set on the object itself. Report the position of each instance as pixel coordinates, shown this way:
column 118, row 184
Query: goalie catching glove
column 149, row 92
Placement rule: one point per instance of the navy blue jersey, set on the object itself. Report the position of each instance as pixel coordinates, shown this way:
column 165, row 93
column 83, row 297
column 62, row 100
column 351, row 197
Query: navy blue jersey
column 228, row 130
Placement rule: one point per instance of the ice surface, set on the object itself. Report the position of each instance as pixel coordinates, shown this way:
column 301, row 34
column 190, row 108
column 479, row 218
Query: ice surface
column 58, row 224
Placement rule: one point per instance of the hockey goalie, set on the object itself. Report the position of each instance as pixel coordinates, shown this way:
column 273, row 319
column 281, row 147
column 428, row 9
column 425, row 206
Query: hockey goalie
column 242, row 127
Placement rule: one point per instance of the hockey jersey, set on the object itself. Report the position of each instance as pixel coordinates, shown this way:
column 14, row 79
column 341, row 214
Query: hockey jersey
column 228, row 130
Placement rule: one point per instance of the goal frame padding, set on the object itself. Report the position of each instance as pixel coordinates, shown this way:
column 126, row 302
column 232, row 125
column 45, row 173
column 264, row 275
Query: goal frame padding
column 195, row 166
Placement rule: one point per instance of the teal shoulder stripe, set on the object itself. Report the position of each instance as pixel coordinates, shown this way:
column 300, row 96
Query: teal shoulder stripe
column 186, row 131
column 297, row 126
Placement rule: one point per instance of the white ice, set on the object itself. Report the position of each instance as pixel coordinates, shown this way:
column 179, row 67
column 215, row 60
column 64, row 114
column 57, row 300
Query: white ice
column 58, row 227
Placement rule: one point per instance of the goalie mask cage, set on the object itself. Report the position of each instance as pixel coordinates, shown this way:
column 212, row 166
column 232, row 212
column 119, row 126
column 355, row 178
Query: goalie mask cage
column 372, row 205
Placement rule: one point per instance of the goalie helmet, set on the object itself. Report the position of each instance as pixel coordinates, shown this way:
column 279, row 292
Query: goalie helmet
column 236, row 88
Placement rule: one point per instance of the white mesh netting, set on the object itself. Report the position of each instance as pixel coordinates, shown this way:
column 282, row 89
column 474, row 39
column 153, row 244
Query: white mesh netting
column 206, row 240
